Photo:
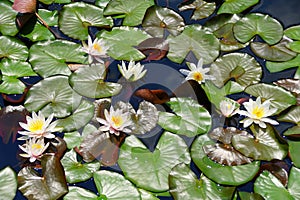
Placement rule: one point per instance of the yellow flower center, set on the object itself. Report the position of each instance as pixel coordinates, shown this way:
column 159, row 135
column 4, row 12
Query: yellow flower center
column 258, row 112
column 36, row 146
column 36, row 125
column 197, row 76
column 117, row 120
column 97, row 47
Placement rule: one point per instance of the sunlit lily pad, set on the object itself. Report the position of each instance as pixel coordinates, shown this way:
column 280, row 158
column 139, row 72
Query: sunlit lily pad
column 293, row 32
column 293, row 132
column 8, row 184
column 53, row 95
column 243, row 68
column 146, row 195
column 250, row 196
column 228, row 175
column 131, row 10
column 157, row 20
column 185, row 185
column 189, row 118
column 236, row 6
column 122, row 42
column 8, row 17
column 51, row 57
column 271, row 188
column 294, row 151
column 12, row 70
column 77, row 171
column 268, row 28
column 280, row 66
column 89, row 81
column 76, row 18
column 263, row 146
column 12, row 48
column 150, row 170
column 279, row 168
column 293, row 116
column 202, row 9
column 279, row 97
column 74, row 139
column 196, row 39
column 294, row 46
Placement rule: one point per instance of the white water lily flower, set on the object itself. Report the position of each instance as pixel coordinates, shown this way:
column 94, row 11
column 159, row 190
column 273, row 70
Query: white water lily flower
column 96, row 49
column 197, row 73
column 115, row 121
column 33, row 148
column 38, row 126
column 258, row 113
column 133, row 72
column 228, row 108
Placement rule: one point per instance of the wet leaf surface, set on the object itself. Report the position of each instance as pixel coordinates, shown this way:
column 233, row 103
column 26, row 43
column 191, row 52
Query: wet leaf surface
column 202, row 9
column 293, row 116
column 13, row 48
column 236, row 6
column 7, row 16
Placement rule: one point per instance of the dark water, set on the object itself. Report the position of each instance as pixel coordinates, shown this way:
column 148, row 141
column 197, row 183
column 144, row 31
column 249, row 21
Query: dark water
column 285, row 11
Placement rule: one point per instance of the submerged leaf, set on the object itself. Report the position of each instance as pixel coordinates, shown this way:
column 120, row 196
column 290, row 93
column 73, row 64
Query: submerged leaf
column 236, row 6
column 154, row 48
column 154, row 96
column 24, row 6
column 202, row 9
column 8, row 184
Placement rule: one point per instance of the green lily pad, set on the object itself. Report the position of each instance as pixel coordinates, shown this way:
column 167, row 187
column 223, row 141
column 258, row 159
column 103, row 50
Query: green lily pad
column 189, row 118
column 158, row 19
column 8, row 17
column 12, row 70
column 250, row 196
column 268, row 28
column 50, row 58
column 150, row 170
column 268, row 186
column 145, row 195
column 293, row 116
column 54, row 1
column 294, row 151
column 74, row 139
column 79, row 193
column 89, row 81
column 122, row 42
column 279, row 97
column 132, row 11
column 12, row 48
column 227, row 175
column 242, row 67
column 202, row 9
column 8, row 184
column 293, row 32
column 263, row 146
column 280, row 66
column 236, row 6
column 293, row 132
column 196, row 39
column 80, row 117
column 101, row 3
column 185, row 185
column 294, row 46
column 77, row 171
column 292, row 85
column 75, row 19
column 52, row 95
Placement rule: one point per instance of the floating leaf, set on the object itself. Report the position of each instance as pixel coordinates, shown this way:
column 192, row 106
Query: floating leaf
column 185, row 185
column 268, row 28
column 122, row 42
column 89, row 81
column 80, row 117
column 228, row 175
column 293, row 32
column 150, row 170
column 280, row 66
column 74, row 139
column 240, row 66
column 196, row 39
column 293, row 132
column 77, row 171
column 7, row 18
column 53, row 95
column 292, row 85
column 279, row 169
column 294, row 151
column 145, row 195
column 51, row 57
column 293, row 116
column 279, row 98
column 79, row 194
column 154, row 48
column 24, row 6
column 55, row 1
column 8, row 184
column 12, row 48
column 132, row 11
column 189, row 118
column 202, row 9
column 294, row 46
column 250, row 196
column 236, row 6
column 76, row 18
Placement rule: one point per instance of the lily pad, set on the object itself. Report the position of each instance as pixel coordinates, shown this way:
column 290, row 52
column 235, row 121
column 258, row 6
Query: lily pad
column 189, row 117
column 89, row 81
column 8, row 17
column 185, row 185
column 243, row 68
column 80, row 117
column 292, row 85
column 280, row 66
column 202, row 9
column 236, row 6
column 145, row 195
column 250, row 196
column 50, row 58
column 76, row 18
column 74, row 139
column 132, row 11
column 293, row 32
column 263, row 146
column 150, row 170
column 279, row 97
column 294, row 152
column 53, row 95
column 54, row 1
column 196, row 39
column 8, row 185
column 268, row 28
column 12, row 48
column 294, row 46
column 122, row 42
column 77, row 171
column 293, row 116
column 293, row 132
column 80, row 194
column 227, row 175
column 157, row 20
